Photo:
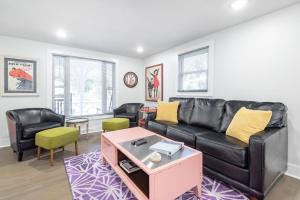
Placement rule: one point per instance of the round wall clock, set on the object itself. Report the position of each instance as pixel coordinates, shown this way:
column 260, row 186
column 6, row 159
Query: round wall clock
column 130, row 79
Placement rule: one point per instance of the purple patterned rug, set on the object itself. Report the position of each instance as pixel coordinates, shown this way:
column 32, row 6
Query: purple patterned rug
column 90, row 179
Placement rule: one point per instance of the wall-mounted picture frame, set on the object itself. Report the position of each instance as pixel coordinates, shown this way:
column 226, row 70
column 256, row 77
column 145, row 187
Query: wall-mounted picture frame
column 154, row 83
column 19, row 76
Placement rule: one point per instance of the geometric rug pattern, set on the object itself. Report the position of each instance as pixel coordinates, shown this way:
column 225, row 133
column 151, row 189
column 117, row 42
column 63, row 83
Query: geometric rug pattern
column 90, row 179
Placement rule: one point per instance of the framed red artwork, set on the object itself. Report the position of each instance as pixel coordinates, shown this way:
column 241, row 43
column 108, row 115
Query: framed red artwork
column 154, row 83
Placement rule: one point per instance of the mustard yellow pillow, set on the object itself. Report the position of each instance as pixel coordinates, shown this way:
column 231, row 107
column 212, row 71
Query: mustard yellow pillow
column 167, row 111
column 248, row 122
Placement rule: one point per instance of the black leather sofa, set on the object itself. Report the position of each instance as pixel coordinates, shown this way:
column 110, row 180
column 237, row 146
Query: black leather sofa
column 129, row 111
column 23, row 124
column 252, row 168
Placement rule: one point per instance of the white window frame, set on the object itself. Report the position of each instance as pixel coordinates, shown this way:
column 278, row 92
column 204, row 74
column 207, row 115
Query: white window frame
column 210, row 72
column 85, row 58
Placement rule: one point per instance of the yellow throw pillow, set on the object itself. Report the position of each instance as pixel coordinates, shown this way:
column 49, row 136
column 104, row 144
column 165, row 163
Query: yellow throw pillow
column 167, row 111
column 248, row 122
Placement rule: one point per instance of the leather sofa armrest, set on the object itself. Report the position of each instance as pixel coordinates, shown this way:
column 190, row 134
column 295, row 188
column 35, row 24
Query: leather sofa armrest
column 119, row 110
column 137, row 115
column 50, row 116
column 268, row 153
column 14, row 130
column 150, row 117
column 61, row 118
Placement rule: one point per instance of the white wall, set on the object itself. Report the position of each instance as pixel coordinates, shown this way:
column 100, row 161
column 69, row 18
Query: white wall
column 258, row 60
column 42, row 52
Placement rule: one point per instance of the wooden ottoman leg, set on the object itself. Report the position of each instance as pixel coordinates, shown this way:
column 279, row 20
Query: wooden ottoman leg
column 38, row 153
column 63, row 148
column 51, row 156
column 76, row 148
column 87, row 131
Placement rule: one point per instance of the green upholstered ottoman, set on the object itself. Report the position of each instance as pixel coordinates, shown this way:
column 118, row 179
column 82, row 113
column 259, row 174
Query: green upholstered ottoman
column 114, row 124
column 55, row 138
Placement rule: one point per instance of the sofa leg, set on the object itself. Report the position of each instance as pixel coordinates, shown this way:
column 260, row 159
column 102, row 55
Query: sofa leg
column 20, row 156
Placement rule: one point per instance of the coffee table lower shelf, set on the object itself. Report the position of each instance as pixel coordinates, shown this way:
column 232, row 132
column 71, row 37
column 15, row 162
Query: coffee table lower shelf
column 128, row 182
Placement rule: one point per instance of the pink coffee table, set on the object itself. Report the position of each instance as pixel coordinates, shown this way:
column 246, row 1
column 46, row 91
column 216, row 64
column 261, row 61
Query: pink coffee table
column 166, row 180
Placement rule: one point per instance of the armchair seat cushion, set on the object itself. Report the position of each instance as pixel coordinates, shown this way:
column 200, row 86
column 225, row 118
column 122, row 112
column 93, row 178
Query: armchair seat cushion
column 223, row 147
column 130, row 116
column 30, row 130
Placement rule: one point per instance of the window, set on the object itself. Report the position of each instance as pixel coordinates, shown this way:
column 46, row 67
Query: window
column 82, row 87
column 193, row 71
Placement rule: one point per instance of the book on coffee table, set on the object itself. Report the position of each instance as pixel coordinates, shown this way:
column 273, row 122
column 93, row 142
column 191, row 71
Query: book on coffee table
column 167, row 147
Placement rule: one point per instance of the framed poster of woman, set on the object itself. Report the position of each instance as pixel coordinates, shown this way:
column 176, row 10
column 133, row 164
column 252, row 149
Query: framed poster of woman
column 154, row 82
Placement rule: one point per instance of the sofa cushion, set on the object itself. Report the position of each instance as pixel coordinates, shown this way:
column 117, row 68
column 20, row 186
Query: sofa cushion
column 247, row 122
column 208, row 113
column 223, row 147
column 231, row 107
column 167, row 111
column 185, row 133
column 279, row 111
column 28, row 116
column 185, row 108
column 30, row 130
column 158, row 127
column 131, row 117
column 133, row 108
column 225, row 168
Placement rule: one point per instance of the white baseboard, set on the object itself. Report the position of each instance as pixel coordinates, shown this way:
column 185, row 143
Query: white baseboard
column 4, row 141
column 293, row 171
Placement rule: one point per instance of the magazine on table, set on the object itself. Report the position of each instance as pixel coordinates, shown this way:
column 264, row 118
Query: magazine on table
column 129, row 166
column 167, row 147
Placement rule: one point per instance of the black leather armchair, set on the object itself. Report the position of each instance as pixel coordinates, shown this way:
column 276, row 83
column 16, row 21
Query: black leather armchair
column 252, row 168
column 23, row 124
column 129, row 111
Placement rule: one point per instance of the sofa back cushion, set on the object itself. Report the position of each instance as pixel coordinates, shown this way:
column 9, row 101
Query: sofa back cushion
column 279, row 112
column 48, row 115
column 133, row 108
column 208, row 113
column 28, row 115
column 185, row 108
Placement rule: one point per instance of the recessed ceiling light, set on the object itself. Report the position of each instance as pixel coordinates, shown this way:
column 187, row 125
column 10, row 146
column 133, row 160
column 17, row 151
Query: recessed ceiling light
column 140, row 49
column 61, row 34
column 239, row 4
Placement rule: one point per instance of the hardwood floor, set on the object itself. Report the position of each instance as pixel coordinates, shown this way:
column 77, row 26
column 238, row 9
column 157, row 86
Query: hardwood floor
column 34, row 179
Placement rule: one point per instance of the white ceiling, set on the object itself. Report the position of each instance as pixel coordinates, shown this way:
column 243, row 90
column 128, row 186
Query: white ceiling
column 119, row 26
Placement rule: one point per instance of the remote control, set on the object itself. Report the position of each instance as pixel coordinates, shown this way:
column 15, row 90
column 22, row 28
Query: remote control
column 139, row 142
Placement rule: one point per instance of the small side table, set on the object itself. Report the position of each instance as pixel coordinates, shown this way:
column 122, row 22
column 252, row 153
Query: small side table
column 78, row 123
column 145, row 111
